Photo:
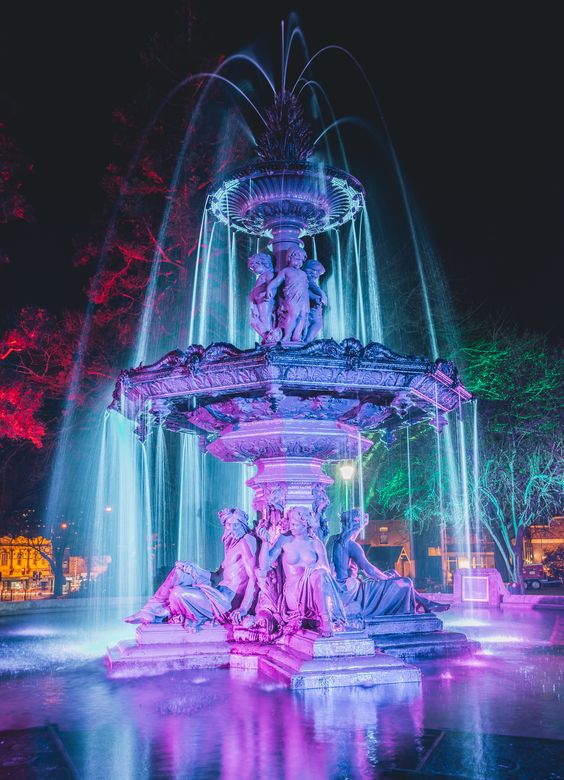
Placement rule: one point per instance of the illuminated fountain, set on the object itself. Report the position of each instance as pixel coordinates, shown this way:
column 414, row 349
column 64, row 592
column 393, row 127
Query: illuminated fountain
column 289, row 405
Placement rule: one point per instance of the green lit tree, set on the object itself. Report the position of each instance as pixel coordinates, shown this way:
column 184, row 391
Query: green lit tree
column 518, row 378
column 517, row 489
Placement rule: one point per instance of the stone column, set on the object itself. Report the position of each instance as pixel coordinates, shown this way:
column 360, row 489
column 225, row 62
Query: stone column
column 289, row 455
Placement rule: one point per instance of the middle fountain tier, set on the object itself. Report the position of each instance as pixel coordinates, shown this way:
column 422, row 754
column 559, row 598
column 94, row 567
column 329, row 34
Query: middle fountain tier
column 288, row 408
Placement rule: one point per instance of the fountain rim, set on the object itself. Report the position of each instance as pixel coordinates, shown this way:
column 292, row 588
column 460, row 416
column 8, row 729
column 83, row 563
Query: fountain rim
column 234, row 180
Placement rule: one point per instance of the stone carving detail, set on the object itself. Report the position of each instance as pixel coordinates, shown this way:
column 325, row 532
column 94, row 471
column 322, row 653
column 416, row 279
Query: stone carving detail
column 272, row 506
column 319, row 507
column 275, row 447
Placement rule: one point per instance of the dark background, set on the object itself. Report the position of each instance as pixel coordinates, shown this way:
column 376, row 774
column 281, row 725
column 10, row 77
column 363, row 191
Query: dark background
column 472, row 95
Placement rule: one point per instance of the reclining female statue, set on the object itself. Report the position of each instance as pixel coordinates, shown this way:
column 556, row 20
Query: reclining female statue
column 378, row 593
column 192, row 595
column 309, row 596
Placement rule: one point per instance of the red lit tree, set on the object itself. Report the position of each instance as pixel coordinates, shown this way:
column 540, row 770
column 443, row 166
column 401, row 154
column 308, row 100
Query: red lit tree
column 38, row 350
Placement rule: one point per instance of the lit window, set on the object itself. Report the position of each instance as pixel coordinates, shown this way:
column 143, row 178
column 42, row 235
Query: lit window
column 4, row 558
column 383, row 534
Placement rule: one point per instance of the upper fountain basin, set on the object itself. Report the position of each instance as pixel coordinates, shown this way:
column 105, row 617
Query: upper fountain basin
column 310, row 197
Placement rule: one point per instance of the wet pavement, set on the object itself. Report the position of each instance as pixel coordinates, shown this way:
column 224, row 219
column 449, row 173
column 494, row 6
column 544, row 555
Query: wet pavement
column 497, row 714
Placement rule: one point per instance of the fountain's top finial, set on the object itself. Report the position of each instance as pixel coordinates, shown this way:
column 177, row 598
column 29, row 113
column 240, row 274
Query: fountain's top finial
column 287, row 136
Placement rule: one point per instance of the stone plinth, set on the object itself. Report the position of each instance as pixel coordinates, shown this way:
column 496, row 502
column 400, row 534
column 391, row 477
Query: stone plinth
column 300, row 672
column 305, row 661
column 478, row 587
column 166, row 647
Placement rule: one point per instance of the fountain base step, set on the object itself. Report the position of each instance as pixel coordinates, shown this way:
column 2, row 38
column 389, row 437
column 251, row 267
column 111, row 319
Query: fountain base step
column 437, row 644
column 403, row 624
column 302, row 661
column 305, row 660
column 416, row 637
column 166, row 647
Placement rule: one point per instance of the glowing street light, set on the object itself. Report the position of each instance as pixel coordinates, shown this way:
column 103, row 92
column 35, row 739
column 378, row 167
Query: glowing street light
column 347, row 471
column 64, row 526
column 108, row 509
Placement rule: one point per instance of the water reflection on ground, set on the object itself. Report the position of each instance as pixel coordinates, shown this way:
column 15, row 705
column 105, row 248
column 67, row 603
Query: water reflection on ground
column 222, row 724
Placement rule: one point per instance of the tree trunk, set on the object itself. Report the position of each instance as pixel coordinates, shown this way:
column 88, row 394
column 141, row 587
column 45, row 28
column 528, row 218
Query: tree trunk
column 59, row 579
column 518, row 559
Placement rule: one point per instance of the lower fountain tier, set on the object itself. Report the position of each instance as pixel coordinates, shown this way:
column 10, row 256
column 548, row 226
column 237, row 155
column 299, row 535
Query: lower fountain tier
column 304, row 660
column 292, row 440
column 301, row 661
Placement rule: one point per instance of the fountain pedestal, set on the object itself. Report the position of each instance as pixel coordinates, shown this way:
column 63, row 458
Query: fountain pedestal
column 289, row 455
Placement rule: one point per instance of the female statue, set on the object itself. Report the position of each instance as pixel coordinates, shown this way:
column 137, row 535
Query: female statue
column 378, row 593
column 308, row 590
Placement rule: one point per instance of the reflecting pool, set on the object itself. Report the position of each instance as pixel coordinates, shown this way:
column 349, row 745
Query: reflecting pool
column 495, row 714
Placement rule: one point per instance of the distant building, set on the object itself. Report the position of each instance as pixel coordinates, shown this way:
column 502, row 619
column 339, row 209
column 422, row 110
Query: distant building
column 543, row 538
column 387, row 546
column 24, row 572
column 77, row 568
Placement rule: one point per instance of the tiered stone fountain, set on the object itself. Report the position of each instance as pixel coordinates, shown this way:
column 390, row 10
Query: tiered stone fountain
column 290, row 405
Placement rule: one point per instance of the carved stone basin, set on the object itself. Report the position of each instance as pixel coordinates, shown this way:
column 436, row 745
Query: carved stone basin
column 221, row 389
column 260, row 197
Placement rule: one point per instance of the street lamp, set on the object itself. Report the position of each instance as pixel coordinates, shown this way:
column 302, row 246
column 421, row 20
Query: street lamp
column 347, row 471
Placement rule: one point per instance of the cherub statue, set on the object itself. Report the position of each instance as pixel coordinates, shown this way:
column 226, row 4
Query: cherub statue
column 314, row 269
column 262, row 305
column 293, row 301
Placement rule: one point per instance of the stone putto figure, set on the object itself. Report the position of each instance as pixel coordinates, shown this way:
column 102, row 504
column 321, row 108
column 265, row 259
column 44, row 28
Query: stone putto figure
column 314, row 269
column 309, row 596
column 193, row 596
column 292, row 311
column 262, row 304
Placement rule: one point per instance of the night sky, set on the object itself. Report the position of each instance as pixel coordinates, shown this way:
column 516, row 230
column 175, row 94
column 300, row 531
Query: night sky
column 473, row 96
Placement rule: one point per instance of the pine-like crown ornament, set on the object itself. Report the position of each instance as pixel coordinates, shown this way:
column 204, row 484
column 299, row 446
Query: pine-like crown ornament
column 287, row 136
